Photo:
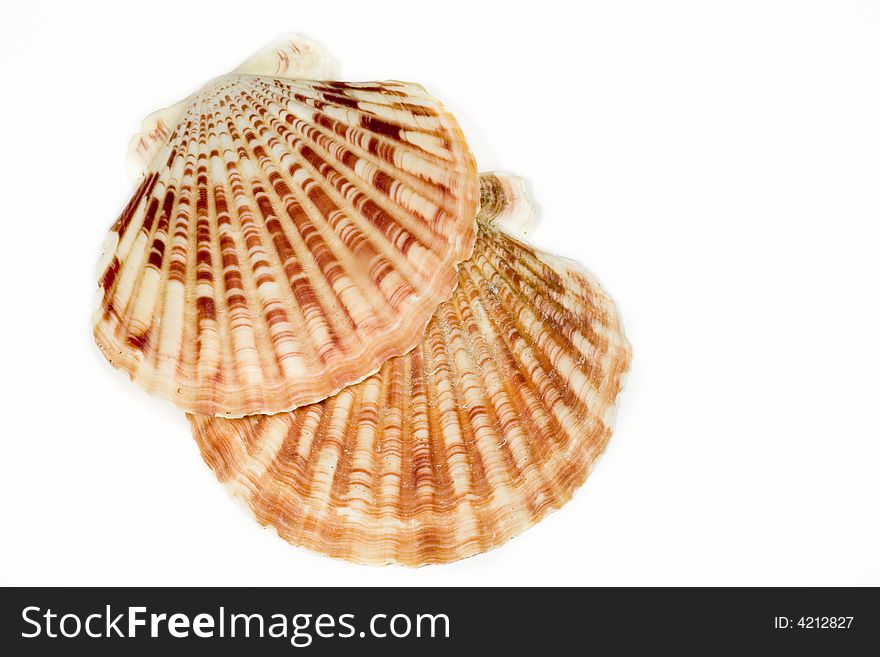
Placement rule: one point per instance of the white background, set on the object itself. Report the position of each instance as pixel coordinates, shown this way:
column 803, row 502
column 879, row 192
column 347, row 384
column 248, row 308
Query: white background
column 715, row 164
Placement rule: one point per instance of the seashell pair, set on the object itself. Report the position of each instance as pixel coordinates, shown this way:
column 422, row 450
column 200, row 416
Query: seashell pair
column 379, row 371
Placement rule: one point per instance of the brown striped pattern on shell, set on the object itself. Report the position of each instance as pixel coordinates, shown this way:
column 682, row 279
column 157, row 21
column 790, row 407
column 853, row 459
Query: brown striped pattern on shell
column 291, row 55
column 492, row 421
column 504, row 203
column 288, row 238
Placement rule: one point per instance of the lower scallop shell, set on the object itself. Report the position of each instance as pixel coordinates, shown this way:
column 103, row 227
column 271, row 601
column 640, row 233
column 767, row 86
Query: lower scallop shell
column 492, row 421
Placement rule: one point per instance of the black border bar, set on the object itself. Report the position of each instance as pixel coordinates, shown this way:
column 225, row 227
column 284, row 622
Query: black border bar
column 500, row 620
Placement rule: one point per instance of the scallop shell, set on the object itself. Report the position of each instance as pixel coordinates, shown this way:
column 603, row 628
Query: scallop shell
column 286, row 237
column 492, row 421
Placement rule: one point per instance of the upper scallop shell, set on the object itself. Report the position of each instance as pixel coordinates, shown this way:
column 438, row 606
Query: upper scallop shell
column 494, row 419
column 286, row 238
